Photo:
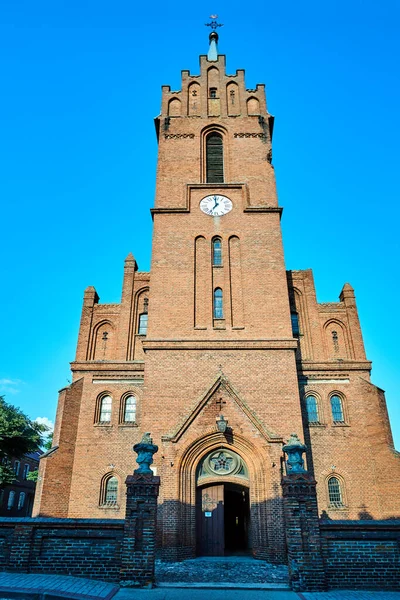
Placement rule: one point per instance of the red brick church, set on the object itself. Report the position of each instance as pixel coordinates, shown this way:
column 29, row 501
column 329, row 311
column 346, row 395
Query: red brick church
column 220, row 353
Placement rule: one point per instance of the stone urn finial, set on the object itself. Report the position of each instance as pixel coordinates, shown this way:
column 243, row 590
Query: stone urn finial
column 294, row 450
column 145, row 450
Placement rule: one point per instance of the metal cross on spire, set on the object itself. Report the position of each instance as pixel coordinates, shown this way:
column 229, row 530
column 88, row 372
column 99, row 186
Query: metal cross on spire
column 212, row 55
column 214, row 25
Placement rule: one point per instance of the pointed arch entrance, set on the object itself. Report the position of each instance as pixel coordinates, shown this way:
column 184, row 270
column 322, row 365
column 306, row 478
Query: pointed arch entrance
column 222, row 504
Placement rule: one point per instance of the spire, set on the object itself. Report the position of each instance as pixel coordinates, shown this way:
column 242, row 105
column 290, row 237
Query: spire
column 212, row 55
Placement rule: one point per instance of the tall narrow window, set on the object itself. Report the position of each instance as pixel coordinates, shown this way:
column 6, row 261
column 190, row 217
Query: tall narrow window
column 111, row 495
column 335, row 492
column 335, row 341
column 26, row 471
column 312, row 409
column 217, row 252
column 218, row 304
column 337, row 409
column 295, row 324
column 130, row 409
column 21, row 500
column 11, row 498
column 17, row 466
column 214, row 158
column 143, row 320
column 105, row 409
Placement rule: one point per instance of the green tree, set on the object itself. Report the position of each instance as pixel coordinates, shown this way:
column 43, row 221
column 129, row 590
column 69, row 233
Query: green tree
column 18, row 435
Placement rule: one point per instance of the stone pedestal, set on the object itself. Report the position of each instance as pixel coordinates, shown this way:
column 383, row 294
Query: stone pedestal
column 139, row 545
column 306, row 568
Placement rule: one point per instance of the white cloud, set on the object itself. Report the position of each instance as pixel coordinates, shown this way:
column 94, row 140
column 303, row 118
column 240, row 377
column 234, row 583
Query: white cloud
column 10, row 386
column 45, row 421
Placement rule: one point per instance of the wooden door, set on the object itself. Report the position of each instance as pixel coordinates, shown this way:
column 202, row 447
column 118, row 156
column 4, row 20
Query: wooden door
column 210, row 521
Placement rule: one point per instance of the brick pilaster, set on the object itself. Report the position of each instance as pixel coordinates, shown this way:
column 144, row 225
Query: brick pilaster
column 139, row 545
column 303, row 538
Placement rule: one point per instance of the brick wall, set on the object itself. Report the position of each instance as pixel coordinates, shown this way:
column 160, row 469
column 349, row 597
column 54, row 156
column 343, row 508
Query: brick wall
column 79, row 547
column 361, row 554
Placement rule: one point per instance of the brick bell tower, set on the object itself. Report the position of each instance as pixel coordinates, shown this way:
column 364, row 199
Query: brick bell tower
column 219, row 338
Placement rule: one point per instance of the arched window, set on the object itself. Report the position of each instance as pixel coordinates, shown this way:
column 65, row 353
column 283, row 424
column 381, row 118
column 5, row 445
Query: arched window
column 11, row 498
column 143, row 320
column 17, row 466
column 337, row 409
column 109, row 491
column 217, row 252
column 21, row 500
column 312, row 409
column 335, row 492
column 295, row 324
column 214, row 158
column 218, row 304
column 129, row 409
column 112, row 491
column 105, row 409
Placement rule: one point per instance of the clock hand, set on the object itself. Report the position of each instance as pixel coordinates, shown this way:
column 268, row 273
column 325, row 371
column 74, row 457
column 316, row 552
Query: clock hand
column 216, row 202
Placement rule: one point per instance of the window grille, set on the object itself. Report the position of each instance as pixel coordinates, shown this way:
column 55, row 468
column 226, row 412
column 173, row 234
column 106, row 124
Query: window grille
column 335, row 492
column 214, row 158
column 312, row 409
column 217, row 252
column 337, row 409
column 11, row 498
column 26, row 471
column 105, row 409
column 17, row 466
column 218, row 304
column 143, row 320
column 295, row 324
column 130, row 409
column 111, row 495
column 21, row 500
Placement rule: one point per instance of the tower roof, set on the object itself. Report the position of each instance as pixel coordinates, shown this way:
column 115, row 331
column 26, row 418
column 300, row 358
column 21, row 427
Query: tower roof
column 212, row 55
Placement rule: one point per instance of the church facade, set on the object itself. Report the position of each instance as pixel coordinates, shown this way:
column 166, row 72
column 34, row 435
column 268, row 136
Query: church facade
column 220, row 353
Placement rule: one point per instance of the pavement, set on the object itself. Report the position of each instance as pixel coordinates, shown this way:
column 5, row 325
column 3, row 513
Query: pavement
column 30, row 586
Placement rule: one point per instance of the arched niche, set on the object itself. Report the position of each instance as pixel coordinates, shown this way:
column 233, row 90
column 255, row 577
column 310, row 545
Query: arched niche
column 194, row 100
column 232, row 98
column 336, row 340
column 253, row 106
column 103, row 341
column 174, row 107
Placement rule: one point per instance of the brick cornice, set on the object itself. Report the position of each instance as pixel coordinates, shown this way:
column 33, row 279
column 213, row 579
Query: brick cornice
column 308, row 366
column 280, row 344
column 109, row 365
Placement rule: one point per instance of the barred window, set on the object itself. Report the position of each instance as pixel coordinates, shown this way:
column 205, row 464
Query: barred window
column 143, row 320
column 130, row 409
column 105, row 409
column 21, row 500
column 337, row 409
column 111, row 492
column 312, row 409
column 335, row 492
column 217, row 252
column 218, row 304
column 214, row 158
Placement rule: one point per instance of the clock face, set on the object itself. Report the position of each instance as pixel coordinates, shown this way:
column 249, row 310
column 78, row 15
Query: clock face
column 216, row 205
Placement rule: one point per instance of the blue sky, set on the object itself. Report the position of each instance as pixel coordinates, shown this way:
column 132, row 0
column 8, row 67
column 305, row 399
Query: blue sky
column 80, row 88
